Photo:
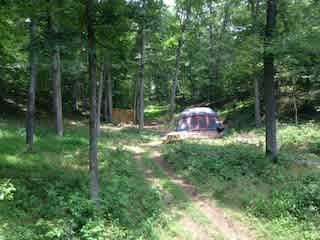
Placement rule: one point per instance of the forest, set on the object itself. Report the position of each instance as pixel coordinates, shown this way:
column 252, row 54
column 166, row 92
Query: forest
column 93, row 94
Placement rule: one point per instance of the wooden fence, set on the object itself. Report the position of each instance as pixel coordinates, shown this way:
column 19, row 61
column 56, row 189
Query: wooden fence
column 123, row 115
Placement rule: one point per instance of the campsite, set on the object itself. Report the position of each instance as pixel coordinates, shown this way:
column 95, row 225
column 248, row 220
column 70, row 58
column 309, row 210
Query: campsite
column 160, row 120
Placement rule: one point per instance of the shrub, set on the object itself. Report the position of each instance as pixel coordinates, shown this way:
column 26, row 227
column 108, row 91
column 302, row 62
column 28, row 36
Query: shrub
column 7, row 190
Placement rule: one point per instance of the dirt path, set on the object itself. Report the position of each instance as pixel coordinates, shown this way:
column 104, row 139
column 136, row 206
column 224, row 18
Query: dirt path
column 219, row 225
column 229, row 228
column 189, row 229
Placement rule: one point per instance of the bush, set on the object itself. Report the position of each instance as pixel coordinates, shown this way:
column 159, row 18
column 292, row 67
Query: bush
column 99, row 229
column 227, row 162
column 298, row 198
column 240, row 176
column 7, row 190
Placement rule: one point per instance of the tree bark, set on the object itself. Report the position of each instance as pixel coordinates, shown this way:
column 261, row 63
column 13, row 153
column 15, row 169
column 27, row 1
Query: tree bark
column 77, row 96
column 136, row 101
column 100, row 95
column 56, row 75
column 94, row 184
column 175, row 81
column 141, row 85
column 109, row 90
column 257, row 108
column 33, row 58
column 220, row 43
column 295, row 107
column 177, row 67
column 295, row 98
column 269, row 84
column 211, row 55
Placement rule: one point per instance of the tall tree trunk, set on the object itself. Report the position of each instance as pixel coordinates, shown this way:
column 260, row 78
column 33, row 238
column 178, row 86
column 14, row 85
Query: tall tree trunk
column 269, row 84
column 177, row 67
column 220, row 42
column 175, row 81
column 257, row 108
column 100, row 95
column 32, row 87
column 77, row 96
column 295, row 107
column 92, row 68
column 295, row 98
column 136, row 101
column 109, row 90
column 141, row 87
column 211, row 55
column 56, row 75
column 105, row 106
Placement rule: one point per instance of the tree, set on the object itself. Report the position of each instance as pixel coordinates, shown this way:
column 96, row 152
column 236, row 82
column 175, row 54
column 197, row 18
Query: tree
column 108, row 93
column 183, row 19
column 33, row 60
column 56, row 70
column 141, row 77
column 254, row 14
column 100, row 95
column 211, row 53
column 92, row 68
column 269, row 84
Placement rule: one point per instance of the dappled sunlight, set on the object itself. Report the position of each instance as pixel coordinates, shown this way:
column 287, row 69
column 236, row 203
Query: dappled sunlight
column 134, row 149
column 117, row 128
column 76, row 123
column 20, row 106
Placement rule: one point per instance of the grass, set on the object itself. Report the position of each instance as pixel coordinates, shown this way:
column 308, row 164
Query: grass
column 172, row 195
column 44, row 193
column 279, row 200
column 155, row 111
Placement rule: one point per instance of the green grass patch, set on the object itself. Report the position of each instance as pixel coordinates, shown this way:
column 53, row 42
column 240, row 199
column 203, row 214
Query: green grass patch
column 284, row 198
column 155, row 111
column 44, row 194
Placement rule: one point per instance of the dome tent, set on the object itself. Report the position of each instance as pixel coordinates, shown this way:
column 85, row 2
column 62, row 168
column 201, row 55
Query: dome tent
column 199, row 119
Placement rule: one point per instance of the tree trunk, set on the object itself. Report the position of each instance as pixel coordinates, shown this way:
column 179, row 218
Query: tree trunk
column 105, row 106
column 136, row 101
column 269, row 85
column 100, row 95
column 32, row 87
column 141, row 85
column 94, row 184
column 177, row 71
column 109, row 91
column 220, row 43
column 295, row 107
column 175, row 81
column 257, row 103
column 211, row 56
column 295, row 98
column 56, row 75
column 254, row 15
column 77, row 96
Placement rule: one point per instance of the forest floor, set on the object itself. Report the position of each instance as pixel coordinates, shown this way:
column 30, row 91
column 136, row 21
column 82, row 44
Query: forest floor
column 210, row 189
column 217, row 224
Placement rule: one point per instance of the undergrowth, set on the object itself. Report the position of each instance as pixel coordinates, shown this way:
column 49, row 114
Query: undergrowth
column 44, row 194
column 285, row 197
